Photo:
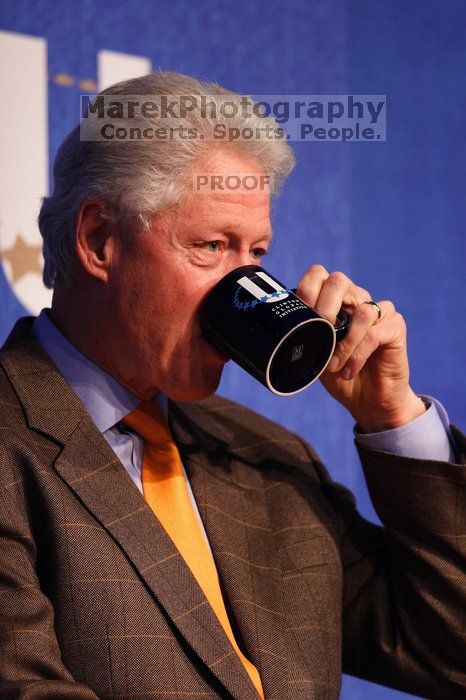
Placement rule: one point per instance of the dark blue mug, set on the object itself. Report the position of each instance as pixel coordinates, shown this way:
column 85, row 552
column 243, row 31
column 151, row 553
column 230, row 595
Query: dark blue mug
column 268, row 330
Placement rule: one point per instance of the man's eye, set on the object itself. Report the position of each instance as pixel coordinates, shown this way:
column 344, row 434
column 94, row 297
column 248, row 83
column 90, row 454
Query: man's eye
column 214, row 246
column 258, row 253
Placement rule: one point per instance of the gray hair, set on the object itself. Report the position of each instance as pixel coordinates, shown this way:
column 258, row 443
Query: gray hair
column 136, row 179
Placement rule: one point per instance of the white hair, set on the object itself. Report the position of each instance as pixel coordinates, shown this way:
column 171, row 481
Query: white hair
column 136, row 179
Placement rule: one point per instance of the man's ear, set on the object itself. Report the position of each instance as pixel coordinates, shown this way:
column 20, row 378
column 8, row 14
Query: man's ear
column 95, row 240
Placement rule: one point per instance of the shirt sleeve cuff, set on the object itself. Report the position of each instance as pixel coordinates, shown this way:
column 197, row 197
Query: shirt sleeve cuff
column 426, row 437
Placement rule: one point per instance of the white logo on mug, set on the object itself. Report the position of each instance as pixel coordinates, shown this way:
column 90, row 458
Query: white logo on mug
column 260, row 294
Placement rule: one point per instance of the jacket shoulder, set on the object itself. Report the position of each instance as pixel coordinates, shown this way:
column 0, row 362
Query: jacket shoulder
column 11, row 412
column 255, row 437
column 235, row 414
column 258, row 439
column 20, row 445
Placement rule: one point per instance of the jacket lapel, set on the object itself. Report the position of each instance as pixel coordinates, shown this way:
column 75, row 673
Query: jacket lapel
column 90, row 468
column 232, row 502
column 93, row 472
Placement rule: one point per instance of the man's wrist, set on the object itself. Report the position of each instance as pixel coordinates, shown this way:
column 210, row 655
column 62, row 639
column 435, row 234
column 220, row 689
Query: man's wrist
column 395, row 419
column 428, row 436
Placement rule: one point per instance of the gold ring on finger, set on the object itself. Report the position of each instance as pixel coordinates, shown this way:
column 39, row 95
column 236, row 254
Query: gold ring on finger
column 377, row 309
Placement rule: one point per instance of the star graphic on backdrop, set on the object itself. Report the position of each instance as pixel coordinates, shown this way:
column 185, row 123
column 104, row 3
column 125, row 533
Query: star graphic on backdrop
column 22, row 257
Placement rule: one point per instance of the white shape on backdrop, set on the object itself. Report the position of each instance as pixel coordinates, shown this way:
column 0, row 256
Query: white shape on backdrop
column 113, row 66
column 24, row 154
column 24, row 163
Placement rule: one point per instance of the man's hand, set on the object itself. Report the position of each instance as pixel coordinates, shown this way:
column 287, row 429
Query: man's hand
column 369, row 372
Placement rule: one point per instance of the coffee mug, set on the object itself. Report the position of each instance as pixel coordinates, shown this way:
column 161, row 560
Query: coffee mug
column 268, row 330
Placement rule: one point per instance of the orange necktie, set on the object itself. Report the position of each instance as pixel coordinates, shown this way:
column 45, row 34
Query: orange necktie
column 165, row 490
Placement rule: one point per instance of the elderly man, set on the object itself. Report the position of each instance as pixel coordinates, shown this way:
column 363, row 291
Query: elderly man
column 159, row 542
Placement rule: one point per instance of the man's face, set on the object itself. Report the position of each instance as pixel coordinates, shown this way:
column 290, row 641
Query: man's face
column 161, row 277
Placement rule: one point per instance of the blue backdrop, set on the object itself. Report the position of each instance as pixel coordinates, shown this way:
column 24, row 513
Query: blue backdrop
column 387, row 214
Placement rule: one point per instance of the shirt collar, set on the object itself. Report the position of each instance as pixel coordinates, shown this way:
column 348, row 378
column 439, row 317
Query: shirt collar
column 106, row 400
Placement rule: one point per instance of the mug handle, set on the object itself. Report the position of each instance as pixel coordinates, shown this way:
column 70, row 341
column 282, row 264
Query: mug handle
column 342, row 324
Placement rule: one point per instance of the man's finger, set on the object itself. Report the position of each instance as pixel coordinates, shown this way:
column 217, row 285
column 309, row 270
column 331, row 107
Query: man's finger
column 362, row 320
column 391, row 329
column 311, row 283
column 336, row 289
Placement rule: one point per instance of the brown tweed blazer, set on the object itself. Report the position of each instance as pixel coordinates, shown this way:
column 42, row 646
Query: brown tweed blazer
column 95, row 601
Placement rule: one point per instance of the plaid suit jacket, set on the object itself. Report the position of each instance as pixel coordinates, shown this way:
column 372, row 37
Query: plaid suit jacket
column 96, row 602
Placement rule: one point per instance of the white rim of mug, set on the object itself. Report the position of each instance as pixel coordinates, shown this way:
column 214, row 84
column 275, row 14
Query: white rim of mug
column 303, row 323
